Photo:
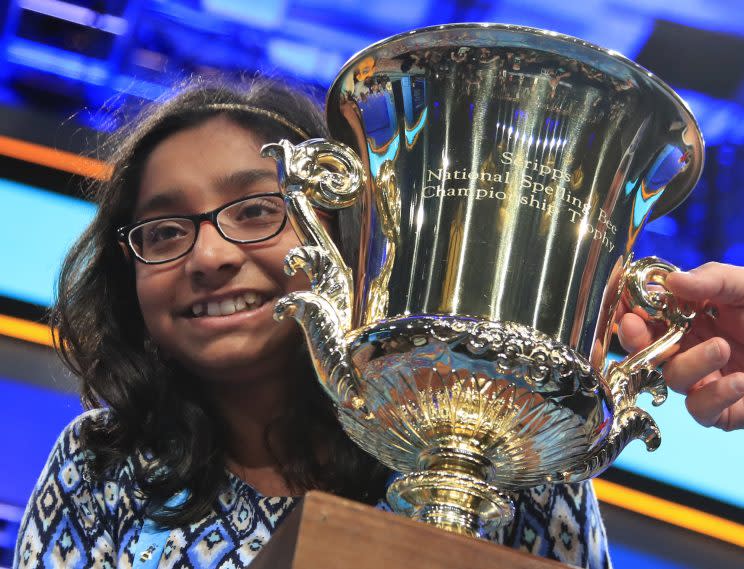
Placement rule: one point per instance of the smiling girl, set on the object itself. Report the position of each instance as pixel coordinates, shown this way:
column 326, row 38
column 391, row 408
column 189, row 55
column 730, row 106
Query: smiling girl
column 194, row 390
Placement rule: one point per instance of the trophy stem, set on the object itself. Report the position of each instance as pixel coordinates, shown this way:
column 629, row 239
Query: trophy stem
column 452, row 493
column 449, row 518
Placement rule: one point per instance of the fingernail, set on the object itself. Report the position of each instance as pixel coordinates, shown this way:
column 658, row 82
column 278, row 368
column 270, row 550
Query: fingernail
column 737, row 382
column 713, row 351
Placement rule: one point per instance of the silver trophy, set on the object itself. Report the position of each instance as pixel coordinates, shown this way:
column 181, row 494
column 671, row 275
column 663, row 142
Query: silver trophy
column 499, row 178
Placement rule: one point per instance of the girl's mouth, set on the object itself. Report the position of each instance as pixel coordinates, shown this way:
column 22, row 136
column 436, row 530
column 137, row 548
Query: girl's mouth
column 243, row 302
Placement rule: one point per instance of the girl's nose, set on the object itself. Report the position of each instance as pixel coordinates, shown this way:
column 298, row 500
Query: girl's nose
column 212, row 255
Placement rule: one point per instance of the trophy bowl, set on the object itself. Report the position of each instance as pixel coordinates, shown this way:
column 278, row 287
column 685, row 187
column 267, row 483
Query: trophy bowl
column 490, row 182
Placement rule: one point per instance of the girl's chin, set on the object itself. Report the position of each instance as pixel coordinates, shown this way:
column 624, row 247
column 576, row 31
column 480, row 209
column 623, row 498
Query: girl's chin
column 243, row 357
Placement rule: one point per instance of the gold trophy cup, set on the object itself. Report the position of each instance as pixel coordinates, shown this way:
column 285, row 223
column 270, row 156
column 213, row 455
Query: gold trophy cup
column 498, row 180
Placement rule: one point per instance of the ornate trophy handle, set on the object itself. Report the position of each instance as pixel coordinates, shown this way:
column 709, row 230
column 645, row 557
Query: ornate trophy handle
column 643, row 288
column 328, row 175
column 660, row 305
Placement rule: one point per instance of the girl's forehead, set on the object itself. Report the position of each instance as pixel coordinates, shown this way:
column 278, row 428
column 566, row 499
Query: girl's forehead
column 214, row 161
column 212, row 137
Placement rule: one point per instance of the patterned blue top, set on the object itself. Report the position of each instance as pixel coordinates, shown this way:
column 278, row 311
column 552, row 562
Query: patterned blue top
column 75, row 521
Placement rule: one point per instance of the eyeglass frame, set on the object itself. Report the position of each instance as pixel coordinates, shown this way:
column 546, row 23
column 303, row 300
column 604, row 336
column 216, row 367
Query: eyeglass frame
column 124, row 233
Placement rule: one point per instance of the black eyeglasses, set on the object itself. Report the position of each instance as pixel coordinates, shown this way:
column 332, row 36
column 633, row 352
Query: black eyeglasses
column 248, row 220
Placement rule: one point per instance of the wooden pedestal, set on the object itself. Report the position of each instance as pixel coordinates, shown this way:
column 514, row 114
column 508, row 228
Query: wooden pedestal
column 327, row 532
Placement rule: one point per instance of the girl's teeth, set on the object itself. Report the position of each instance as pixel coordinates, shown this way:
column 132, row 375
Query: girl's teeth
column 227, row 307
column 248, row 301
column 213, row 308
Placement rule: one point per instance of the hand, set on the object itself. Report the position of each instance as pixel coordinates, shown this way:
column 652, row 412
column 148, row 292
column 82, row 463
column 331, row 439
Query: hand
column 709, row 368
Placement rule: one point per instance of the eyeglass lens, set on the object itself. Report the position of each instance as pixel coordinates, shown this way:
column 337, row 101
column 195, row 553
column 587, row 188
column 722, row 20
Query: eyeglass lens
column 253, row 219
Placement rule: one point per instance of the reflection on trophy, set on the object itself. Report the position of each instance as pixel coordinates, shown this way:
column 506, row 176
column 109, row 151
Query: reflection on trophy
column 498, row 180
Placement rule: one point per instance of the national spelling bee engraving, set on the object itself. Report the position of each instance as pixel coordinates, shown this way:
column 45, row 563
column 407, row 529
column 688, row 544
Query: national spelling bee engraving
column 498, row 180
column 547, row 191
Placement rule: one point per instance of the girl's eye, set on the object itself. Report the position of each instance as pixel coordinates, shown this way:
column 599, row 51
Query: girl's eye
column 250, row 210
column 258, row 210
column 164, row 231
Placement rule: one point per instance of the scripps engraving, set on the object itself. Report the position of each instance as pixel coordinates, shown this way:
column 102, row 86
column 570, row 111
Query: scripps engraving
column 530, row 167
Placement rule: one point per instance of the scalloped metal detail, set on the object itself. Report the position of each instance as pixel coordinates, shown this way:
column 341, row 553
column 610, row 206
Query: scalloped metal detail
column 501, row 391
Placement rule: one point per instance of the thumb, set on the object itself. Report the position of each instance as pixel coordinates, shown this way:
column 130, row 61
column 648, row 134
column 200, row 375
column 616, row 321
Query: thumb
column 633, row 333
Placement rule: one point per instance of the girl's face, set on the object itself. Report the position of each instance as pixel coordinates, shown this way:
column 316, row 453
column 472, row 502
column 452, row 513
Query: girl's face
column 194, row 171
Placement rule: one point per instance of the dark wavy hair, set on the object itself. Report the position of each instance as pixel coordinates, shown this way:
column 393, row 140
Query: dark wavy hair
column 155, row 407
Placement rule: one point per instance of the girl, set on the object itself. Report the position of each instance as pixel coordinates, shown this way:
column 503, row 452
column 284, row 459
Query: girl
column 205, row 423
column 169, row 325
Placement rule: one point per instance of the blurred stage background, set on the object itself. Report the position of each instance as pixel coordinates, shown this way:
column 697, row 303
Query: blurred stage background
column 69, row 69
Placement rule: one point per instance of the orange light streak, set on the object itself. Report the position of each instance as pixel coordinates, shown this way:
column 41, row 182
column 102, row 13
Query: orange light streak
column 52, row 158
column 669, row 512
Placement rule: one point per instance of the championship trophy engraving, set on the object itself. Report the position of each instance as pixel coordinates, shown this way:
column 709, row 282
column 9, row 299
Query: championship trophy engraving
column 499, row 178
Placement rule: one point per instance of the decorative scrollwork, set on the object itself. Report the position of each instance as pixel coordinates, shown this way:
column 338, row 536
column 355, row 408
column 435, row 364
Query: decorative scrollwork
column 327, row 279
column 319, row 322
column 387, row 203
column 515, row 346
column 629, row 424
column 330, row 176
column 328, row 172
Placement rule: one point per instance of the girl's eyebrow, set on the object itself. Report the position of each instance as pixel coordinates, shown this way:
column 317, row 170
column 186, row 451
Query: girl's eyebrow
column 244, row 178
column 170, row 199
column 160, row 202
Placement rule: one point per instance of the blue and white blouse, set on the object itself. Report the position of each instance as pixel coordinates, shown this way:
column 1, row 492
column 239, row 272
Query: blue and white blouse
column 74, row 520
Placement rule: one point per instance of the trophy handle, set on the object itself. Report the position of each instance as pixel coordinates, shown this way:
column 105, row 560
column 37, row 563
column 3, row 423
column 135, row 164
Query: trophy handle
column 660, row 305
column 643, row 288
column 329, row 175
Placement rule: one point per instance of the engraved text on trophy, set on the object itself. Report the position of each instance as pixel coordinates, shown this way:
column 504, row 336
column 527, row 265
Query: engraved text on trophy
column 525, row 183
